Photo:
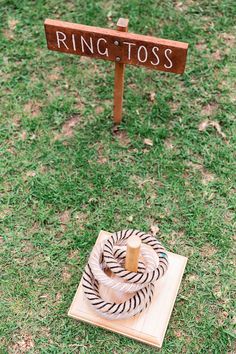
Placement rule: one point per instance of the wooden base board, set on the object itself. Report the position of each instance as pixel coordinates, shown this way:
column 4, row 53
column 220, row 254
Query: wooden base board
column 148, row 327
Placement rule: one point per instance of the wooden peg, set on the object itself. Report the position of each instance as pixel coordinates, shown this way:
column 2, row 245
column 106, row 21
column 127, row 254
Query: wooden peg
column 122, row 26
column 132, row 253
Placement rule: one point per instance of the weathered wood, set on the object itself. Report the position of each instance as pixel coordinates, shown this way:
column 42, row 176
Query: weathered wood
column 134, row 49
column 122, row 26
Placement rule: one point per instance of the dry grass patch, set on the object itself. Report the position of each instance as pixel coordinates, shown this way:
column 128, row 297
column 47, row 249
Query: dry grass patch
column 206, row 175
column 33, row 108
column 141, row 182
column 23, row 344
column 64, row 218
column 66, row 275
column 100, row 152
column 201, row 46
column 73, row 254
column 122, row 137
column 5, row 212
column 99, row 109
column 208, row 250
column 55, row 73
column 228, row 38
column 81, row 218
column 67, row 130
column 210, row 109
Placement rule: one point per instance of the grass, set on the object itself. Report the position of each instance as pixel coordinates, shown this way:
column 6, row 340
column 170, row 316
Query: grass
column 60, row 187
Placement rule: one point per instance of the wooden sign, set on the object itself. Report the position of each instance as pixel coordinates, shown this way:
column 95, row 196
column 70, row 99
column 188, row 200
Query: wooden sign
column 118, row 46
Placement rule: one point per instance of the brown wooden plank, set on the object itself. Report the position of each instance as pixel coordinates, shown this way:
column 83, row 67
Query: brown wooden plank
column 135, row 49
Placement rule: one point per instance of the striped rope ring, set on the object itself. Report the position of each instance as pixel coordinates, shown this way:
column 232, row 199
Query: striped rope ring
column 110, row 255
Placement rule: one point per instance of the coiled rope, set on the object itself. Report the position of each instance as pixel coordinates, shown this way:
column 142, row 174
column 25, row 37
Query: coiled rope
column 111, row 255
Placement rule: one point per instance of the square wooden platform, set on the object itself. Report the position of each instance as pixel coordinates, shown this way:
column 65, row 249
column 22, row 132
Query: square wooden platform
column 148, row 327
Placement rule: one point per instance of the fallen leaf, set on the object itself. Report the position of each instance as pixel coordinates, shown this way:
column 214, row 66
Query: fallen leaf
column 209, row 109
column 217, row 55
column 33, row 137
column 130, row 218
column 152, row 96
column 180, row 6
column 23, row 135
column 154, row 230
column 148, row 142
column 109, row 15
column 12, row 24
column 203, row 125
column 207, row 123
column 168, row 144
column 30, row 173
column 58, row 297
column 216, row 125
column 211, row 196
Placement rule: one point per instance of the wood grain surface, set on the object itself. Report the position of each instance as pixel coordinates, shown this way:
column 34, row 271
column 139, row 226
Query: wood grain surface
column 135, row 49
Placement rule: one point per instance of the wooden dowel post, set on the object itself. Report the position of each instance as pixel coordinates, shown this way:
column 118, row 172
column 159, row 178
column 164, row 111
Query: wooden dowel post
column 132, row 253
column 122, row 25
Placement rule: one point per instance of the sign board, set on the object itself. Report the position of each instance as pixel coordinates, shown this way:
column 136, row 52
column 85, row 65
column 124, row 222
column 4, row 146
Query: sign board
column 124, row 47
column 118, row 46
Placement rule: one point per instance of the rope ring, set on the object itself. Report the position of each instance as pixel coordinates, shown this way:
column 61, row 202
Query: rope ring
column 133, row 277
column 111, row 255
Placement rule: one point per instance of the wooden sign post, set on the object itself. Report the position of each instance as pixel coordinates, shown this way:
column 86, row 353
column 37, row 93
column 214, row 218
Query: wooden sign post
column 122, row 25
column 119, row 46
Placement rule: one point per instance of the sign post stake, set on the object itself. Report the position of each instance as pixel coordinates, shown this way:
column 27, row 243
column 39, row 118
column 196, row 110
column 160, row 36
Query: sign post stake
column 122, row 26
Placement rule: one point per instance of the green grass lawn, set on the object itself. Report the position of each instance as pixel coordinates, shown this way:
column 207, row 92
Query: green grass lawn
column 65, row 176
